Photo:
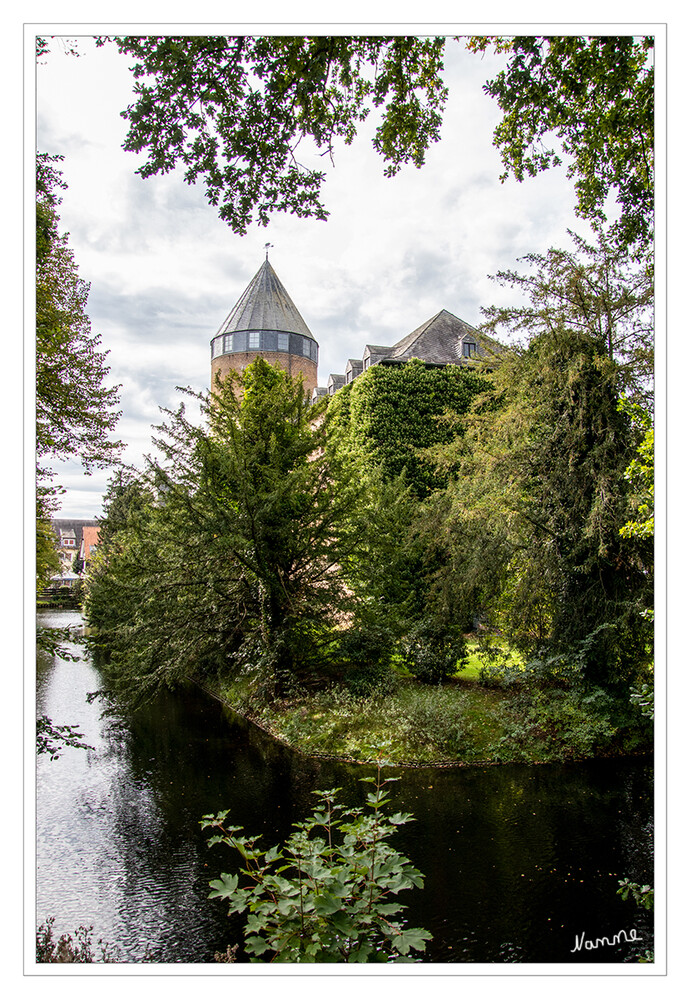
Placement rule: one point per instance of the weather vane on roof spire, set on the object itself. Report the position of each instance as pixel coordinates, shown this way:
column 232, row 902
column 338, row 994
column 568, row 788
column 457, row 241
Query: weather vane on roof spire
column 267, row 247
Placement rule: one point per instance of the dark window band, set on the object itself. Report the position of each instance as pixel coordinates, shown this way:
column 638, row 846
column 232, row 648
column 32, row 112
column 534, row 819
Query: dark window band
column 266, row 341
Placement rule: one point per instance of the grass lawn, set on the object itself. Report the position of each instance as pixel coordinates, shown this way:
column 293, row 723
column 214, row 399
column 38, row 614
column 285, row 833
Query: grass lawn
column 475, row 661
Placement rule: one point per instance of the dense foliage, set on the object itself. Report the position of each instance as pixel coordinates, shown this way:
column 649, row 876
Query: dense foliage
column 389, row 415
column 329, row 893
column 596, row 96
column 473, row 723
column 530, row 528
column 233, row 111
column 290, row 546
column 74, row 406
column 596, row 290
column 232, row 568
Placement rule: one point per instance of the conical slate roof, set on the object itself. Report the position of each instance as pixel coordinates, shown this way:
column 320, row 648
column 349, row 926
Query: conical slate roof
column 265, row 305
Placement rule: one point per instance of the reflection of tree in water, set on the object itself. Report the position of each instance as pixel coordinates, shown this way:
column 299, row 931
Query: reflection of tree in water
column 516, row 858
column 178, row 759
column 636, row 826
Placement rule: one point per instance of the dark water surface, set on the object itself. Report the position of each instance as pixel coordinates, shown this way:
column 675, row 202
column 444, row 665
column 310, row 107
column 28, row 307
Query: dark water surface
column 518, row 860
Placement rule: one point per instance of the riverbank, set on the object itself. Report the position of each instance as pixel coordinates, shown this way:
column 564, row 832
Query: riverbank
column 458, row 723
column 515, row 858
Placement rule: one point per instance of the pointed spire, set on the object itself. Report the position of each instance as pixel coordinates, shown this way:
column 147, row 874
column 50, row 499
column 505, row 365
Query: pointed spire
column 265, row 305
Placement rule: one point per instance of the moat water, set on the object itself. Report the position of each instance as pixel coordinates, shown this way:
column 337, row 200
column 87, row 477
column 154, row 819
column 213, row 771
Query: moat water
column 519, row 861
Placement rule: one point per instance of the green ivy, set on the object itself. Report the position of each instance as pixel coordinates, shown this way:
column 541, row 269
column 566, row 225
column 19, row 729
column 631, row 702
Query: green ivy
column 392, row 414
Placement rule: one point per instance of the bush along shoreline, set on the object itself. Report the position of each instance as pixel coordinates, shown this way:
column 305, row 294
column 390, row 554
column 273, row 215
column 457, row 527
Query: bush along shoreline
column 457, row 723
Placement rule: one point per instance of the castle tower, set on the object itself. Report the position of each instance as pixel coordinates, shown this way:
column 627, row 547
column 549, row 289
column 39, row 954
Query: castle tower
column 265, row 323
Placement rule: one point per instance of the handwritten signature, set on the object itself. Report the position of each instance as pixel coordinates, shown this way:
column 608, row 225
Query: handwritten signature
column 623, row 936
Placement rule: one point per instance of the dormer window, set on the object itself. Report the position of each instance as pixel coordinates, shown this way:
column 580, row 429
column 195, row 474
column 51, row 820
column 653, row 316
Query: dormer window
column 469, row 348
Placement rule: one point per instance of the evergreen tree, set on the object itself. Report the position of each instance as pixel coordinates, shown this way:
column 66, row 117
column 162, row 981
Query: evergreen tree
column 529, row 530
column 235, row 567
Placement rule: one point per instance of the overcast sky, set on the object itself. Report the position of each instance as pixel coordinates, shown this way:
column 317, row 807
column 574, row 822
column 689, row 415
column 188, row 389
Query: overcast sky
column 165, row 271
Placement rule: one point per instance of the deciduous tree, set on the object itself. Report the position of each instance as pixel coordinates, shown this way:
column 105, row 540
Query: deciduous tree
column 233, row 111
column 594, row 94
column 74, row 406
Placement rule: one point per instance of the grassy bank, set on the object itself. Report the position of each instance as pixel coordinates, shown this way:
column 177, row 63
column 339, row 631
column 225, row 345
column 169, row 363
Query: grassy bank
column 458, row 722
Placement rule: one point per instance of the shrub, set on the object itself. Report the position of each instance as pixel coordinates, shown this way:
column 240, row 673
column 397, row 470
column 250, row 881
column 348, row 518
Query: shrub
column 432, row 653
column 554, row 724
column 327, row 895
column 364, row 658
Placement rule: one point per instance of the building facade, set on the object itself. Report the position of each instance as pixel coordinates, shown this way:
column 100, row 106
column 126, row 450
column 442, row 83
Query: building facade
column 443, row 339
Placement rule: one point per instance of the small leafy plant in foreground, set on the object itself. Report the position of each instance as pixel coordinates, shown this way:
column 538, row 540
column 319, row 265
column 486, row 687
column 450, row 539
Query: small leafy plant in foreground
column 328, row 895
column 68, row 949
column 642, row 895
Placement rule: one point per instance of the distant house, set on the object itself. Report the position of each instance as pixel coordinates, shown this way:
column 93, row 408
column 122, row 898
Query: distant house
column 70, row 539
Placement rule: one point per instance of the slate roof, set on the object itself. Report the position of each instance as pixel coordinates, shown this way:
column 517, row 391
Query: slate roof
column 437, row 341
column 265, row 305
column 375, row 351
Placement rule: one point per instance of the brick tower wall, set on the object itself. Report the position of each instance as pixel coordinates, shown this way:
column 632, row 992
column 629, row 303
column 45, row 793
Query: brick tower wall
column 293, row 364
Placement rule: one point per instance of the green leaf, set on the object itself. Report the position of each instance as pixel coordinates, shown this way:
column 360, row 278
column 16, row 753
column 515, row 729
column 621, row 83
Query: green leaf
column 225, row 887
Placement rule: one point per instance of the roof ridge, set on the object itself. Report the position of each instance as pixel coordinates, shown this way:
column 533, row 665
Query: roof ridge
column 406, row 342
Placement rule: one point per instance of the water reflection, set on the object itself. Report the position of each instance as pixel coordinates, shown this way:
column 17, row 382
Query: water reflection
column 517, row 859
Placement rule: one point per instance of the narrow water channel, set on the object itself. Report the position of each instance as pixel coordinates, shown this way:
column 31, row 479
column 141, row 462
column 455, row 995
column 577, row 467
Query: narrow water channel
column 518, row 860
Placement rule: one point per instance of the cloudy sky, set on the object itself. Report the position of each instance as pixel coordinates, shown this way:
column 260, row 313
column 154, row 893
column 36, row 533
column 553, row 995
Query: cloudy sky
column 165, row 271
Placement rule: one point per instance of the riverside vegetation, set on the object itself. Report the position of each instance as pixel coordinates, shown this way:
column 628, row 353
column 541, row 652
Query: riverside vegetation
column 307, row 567
column 324, row 571
column 329, row 893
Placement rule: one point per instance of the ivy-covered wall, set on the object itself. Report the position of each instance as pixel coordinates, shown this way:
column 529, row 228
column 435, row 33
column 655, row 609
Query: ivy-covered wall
column 391, row 413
